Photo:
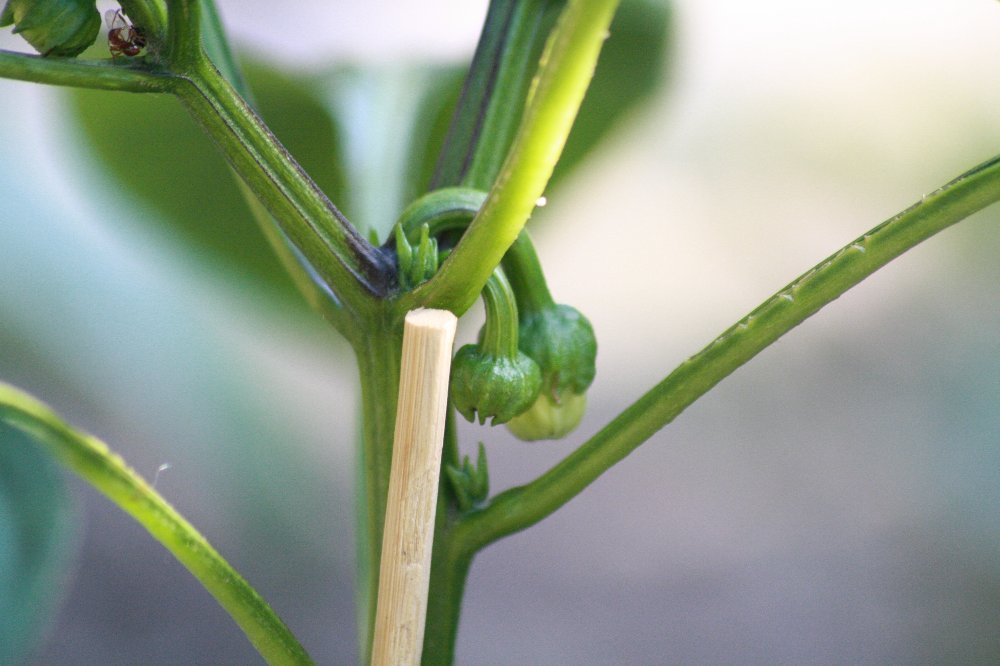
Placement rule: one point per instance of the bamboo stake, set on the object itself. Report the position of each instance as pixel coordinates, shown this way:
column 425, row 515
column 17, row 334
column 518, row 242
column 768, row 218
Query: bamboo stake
column 404, row 572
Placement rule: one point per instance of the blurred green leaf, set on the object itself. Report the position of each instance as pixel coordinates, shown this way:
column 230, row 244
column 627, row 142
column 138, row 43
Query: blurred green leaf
column 631, row 68
column 37, row 539
column 391, row 120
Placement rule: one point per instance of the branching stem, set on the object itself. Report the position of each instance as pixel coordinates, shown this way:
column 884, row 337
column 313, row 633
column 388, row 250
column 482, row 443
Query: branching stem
column 523, row 506
column 356, row 271
column 567, row 66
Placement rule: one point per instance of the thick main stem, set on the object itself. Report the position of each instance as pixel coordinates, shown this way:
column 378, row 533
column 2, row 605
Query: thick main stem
column 378, row 357
column 449, row 567
column 449, row 571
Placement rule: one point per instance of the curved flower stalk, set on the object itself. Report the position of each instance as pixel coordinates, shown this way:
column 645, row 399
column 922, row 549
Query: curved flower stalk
column 494, row 379
column 560, row 339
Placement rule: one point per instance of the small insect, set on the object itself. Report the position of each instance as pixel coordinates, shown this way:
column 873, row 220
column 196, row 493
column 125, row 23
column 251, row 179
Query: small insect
column 123, row 37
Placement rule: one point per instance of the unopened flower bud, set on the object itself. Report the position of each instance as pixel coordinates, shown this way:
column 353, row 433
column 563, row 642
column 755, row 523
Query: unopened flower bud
column 54, row 27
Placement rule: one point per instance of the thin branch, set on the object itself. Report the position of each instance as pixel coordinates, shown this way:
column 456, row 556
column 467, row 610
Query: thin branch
column 524, row 43
column 353, row 269
column 317, row 294
column 466, row 123
column 523, row 506
column 216, row 45
column 91, row 460
column 96, row 74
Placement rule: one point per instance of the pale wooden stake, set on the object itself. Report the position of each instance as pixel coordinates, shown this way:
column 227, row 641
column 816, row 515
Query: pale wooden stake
column 404, row 572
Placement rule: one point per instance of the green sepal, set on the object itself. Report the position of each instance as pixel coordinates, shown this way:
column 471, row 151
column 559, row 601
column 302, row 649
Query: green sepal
column 562, row 342
column 493, row 386
column 426, row 264
column 54, row 27
column 417, row 263
column 404, row 255
column 548, row 419
column 470, row 484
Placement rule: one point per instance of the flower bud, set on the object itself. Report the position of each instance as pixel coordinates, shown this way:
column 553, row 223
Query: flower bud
column 470, row 483
column 493, row 386
column 562, row 342
column 54, row 27
column 548, row 419
column 494, row 378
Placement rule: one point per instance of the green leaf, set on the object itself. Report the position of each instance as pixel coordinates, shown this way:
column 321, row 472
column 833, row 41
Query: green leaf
column 631, row 68
column 37, row 540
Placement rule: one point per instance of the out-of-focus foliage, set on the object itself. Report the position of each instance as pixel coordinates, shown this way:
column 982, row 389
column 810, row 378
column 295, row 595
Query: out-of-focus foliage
column 36, row 541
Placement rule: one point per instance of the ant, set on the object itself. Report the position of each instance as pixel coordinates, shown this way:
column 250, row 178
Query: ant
column 123, row 38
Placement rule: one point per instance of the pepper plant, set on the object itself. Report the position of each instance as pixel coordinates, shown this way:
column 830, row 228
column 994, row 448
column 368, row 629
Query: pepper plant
column 462, row 237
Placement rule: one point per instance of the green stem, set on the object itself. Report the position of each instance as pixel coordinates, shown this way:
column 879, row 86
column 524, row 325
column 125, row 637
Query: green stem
column 521, row 507
column 378, row 357
column 489, row 108
column 96, row 74
column 216, row 45
column 556, row 93
column 449, row 566
column 530, row 24
column 149, row 15
column 449, row 572
column 357, row 272
column 91, row 460
column 303, row 275
column 500, row 330
column 466, row 124
column 524, row 271
column 183, row 44
column 315, row 292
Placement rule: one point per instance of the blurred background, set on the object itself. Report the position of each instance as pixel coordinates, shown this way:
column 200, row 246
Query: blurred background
column 834, row 501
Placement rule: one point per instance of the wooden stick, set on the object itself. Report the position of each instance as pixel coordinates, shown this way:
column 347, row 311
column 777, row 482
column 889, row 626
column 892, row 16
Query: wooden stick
column 404, row 572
